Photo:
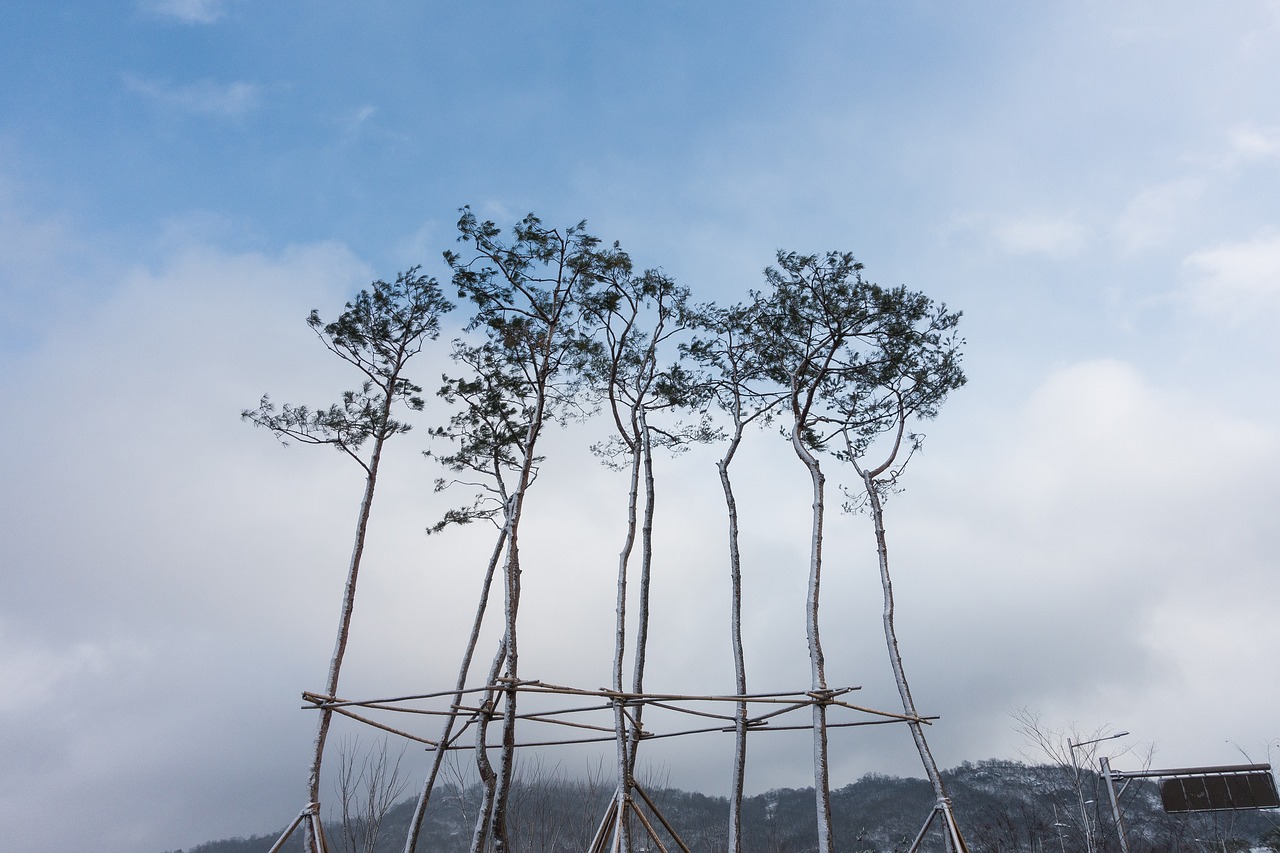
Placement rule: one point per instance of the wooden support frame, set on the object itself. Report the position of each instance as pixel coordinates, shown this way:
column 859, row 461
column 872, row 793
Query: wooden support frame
column 772, row 706
column 609, row 835
column 769, row 708
column 950, row 829
column 310, row 816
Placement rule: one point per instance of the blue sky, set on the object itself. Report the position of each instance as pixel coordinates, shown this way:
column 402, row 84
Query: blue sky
column 1089, row 533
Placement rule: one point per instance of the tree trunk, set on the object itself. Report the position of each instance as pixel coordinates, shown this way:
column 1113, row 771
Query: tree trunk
column 899, row 673
column 420, row 810
column 738, row 781
column 506, row 766
column 488, row 778
column 646, row 575
column 344, row 619
column 620, row 722
column 817, row 664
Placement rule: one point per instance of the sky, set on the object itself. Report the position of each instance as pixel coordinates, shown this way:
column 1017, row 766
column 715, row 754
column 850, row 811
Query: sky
column 1089, row 533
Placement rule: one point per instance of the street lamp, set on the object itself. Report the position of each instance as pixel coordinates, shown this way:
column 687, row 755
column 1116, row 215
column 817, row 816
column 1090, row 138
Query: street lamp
column 1211, row 841
column 1075, row 767
column 1059, row 826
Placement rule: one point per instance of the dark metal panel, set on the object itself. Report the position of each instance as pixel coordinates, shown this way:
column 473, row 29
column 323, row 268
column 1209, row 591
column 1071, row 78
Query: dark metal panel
column 1219, row 792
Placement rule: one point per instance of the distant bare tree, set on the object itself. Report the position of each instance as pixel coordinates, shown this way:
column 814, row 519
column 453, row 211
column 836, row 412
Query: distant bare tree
column 551, row 812
column 367, row 788
column 1055, row 743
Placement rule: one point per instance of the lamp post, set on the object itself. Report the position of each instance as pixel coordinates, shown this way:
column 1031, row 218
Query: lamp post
column 1059, row 826
column 1211, row 841
column 1075, row 767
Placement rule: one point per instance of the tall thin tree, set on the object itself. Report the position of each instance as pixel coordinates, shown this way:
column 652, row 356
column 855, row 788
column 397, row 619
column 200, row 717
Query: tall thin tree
column 637, row 318
column 730, row 377
column 486, row 431
column 919, row 366
column 527, row 295
column 805, row 327
column 384, row 327
column 853, row 359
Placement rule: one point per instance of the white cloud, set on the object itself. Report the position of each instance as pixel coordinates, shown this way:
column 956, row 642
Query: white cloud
column 1057, row 237
column 1104, row 417
column 1153, row 217
column 205, row 97
column 1082, row 527
column 33, row 674
column 187, row 11
column 131, row 442
column 1245, row 144
column 47, row 268
column 1217, row 639
column 360, row 116
column 1236, row 281
column 361, row 124
column 1254, row 143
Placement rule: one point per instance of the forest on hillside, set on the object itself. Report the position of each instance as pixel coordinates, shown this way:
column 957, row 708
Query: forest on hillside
column 1004, row 807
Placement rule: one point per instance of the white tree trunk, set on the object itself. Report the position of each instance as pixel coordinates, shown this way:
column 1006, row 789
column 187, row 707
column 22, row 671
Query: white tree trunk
column 899, row 672
column 424, row 798
column 488, row 778
column 344, row 619
column 817, row 663
column 506, row 766
column 738, row 781
column 620, row 722
column 646, row 575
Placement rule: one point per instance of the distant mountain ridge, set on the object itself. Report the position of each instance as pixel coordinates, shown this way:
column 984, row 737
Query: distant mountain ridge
column 1002, row 807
